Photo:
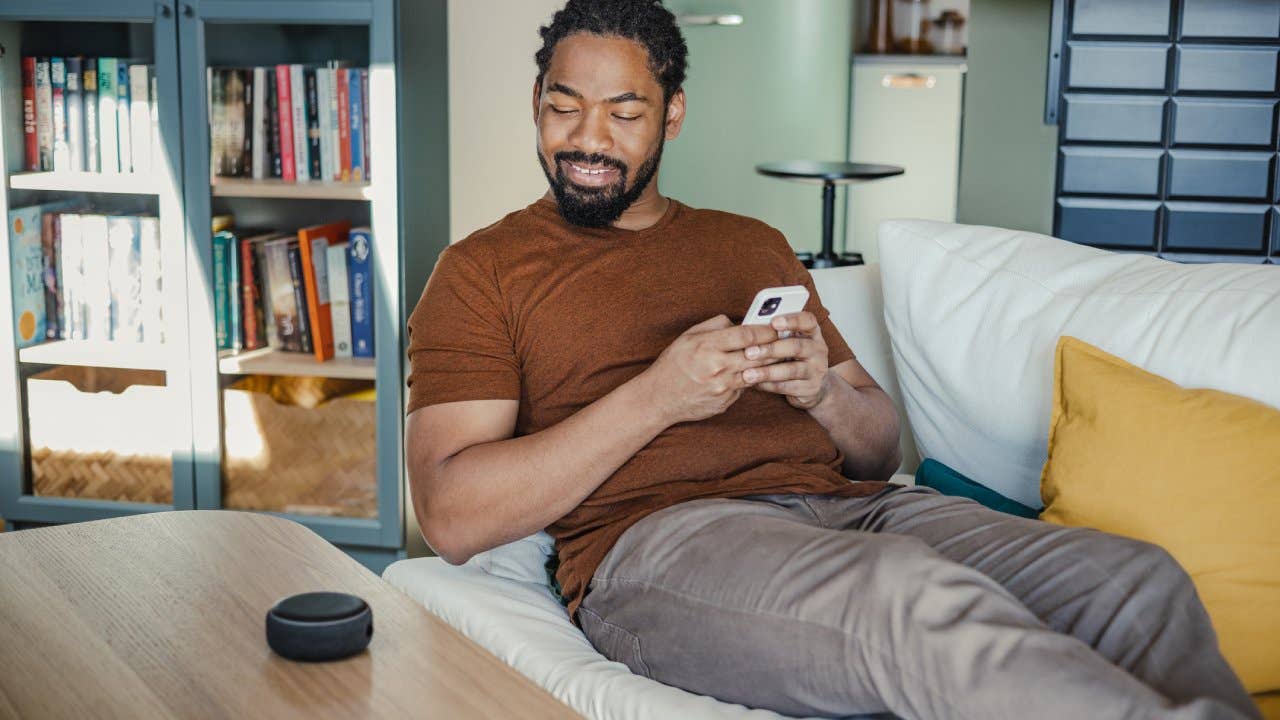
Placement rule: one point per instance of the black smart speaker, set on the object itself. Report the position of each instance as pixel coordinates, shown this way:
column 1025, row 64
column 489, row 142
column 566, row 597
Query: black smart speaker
column 318, row 626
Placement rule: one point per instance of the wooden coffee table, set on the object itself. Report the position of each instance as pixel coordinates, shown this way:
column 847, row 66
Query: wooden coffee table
column 163, row 614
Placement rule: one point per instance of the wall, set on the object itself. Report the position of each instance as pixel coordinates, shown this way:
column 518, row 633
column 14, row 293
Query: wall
column 1008, row 154
column 491, row 134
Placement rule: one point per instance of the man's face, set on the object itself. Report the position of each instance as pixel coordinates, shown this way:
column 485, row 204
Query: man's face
column 601, row 126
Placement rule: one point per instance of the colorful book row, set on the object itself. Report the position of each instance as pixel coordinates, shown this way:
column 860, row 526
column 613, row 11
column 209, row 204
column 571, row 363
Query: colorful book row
column 89, row 115
column 294, row 122
column 79, row 275
column 307, row 291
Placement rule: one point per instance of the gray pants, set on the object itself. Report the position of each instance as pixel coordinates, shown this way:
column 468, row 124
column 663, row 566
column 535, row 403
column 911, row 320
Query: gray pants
column 911, row 602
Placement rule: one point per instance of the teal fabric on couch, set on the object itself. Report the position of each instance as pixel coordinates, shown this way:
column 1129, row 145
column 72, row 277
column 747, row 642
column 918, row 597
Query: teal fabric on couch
column 949, row 482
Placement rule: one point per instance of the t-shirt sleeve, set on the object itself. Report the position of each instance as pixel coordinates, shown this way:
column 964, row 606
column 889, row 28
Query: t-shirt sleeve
column 460, row 343
column 837, row 349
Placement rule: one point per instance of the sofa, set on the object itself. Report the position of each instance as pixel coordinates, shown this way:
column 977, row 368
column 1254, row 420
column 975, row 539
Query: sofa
column 958, row 325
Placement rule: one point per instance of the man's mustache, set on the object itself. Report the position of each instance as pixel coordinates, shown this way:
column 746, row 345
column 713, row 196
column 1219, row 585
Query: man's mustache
column 581, row 158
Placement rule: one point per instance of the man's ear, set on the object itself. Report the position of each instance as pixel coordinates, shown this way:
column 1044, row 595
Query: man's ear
column 675, row 115
column 537, row 99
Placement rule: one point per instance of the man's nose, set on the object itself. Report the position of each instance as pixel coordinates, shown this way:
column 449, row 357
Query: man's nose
column 592, row 133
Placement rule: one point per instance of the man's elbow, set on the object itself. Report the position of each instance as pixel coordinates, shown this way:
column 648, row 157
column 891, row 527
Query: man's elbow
column 444, row 543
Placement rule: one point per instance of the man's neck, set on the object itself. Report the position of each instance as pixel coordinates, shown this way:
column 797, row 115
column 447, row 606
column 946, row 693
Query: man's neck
column 646, row 211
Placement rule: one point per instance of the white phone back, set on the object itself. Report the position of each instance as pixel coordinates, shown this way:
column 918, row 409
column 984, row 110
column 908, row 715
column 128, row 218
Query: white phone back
column 793, row 299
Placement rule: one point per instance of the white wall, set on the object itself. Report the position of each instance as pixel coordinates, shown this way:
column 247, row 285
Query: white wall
column 492, row 162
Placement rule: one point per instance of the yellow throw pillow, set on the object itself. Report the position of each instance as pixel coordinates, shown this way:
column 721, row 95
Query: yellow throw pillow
column 1194, row 471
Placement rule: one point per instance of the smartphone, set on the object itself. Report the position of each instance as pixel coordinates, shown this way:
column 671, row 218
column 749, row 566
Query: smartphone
column 775, row 301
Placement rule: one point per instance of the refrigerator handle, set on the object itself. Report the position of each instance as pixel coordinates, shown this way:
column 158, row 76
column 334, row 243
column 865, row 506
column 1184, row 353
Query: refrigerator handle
column 721, row 20
column 908, row 80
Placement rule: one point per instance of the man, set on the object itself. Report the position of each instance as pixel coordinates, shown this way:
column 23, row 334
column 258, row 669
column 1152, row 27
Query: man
column 717, row 492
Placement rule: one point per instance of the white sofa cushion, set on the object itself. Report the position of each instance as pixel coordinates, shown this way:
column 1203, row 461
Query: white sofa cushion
column 973, row 315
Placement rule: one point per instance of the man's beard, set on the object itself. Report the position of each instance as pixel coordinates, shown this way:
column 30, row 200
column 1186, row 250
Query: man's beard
column 597, row 207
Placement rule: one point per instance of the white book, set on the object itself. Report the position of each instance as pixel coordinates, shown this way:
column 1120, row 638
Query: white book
column 335, row 162
column 96, row 288
column 124, row 278
column 339, row 300
column 61, row 139
column 108, row 118
column 324, row 80
column 75, row 116
column 298, row 98
column 140, row 117
column 157, row 150
column 123, row 126
column 44, row 114
column 151, row 269
column 70, row 276
column 259, row 167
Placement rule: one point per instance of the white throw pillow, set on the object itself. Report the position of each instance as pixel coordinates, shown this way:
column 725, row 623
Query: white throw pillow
column 524, row 560
column 974, row 313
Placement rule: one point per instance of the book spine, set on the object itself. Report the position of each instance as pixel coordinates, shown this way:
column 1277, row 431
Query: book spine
column 280, row 299
column 298, row 106
column 140, row 117
column 360, row 290
column 258, row 113
column 152, row 268
column 274, row 168
column 315, row 276
column 235, row 323
column 213, row 103
column 335, row 163
column 96, row 258
column 75, row 113
column 313, row 124
column 221, row 308
column 69, row 275
column 300, row 296
column 123, row 126
column 125, row 279
column 246, row 122
column 284, row 111
column 153, row 107
column 92, row 158
column 339, row 300
column 44, row 114
column 26, row 263
column 357, row 136
column 49, row 276
column 323, row 81
column 249, row 297
column 30, row 144
column 364, row 121
column 233, row 101
column 108, row 144
column 344, row 125
column 58, row 85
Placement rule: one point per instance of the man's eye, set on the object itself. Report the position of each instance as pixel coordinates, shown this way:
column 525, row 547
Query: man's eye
column 628, row 118
column 562, row 111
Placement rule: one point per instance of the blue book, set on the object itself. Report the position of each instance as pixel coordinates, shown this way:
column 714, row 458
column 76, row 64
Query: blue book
column 357, row 133
column 27, row 270
column 359, row 279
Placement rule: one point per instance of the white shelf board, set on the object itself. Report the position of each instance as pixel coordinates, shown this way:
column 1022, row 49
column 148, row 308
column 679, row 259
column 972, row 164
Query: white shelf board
column 268, row 361
column 66, row 181
column 97, row 353
column 276, row 188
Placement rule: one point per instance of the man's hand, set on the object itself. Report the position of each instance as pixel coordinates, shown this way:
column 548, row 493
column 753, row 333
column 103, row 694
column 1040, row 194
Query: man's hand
column 699, row 374
column 802, row 373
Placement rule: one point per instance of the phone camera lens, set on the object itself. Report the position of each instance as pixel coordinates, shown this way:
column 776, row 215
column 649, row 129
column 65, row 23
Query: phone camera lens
column 770, row 306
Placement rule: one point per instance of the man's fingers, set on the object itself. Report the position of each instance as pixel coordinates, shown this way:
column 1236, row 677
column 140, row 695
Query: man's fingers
column 740, row 337
column 794, row 347
column 777, row 372
column 805, row 322
column 715, row 323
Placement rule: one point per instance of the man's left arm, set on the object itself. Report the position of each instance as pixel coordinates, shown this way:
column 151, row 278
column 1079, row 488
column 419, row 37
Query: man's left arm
column 845, row 399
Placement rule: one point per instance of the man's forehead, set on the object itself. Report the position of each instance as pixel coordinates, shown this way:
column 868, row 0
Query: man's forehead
column 600, row 67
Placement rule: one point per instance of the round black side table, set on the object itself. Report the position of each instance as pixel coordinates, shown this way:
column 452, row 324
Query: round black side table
column 829, row 174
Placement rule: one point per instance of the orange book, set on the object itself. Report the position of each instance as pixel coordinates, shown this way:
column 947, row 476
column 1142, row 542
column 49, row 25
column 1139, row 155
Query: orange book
column 313, row 243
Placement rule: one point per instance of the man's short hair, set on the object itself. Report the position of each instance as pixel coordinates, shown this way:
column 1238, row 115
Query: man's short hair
column 644, row 21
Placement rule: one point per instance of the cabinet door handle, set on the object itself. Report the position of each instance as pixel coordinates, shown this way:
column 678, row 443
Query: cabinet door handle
column 188, row 10
column 165, row 11
column 908, row 80
column 722, row 20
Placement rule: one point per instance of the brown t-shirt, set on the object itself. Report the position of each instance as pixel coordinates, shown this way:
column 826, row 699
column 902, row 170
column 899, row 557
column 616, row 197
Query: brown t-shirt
column 556, row 316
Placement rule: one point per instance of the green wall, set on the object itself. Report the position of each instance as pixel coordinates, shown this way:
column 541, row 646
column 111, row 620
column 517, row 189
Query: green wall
column 1008, row 154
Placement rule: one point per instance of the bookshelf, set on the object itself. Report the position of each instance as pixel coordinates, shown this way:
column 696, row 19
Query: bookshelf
column 402, row 44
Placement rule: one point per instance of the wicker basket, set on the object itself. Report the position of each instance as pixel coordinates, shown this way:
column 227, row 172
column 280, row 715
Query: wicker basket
column 319, row 460
column 101, row 433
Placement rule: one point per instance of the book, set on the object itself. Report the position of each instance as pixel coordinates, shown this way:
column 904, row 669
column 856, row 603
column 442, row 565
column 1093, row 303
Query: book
column 274, row 166
column 344, row 124
column 108, row 118
column 124, row 127
column 245, row 119
column 251, row 287
column 124, row 278
column 261, row 274
column 26, row 268
column 140, row 117
column 279, row 289
column 151, row 271
column 31, row 145
column 313, row 123
column 298, row 104
column 222, row 288
column 339, row 300
column 258, row 161
column 284, row 111
column 58, row 86
column 314, row 245
column 49, row 273
column 360, row 289
column 335, row 163
column 95, row 295
column 300, row 296
column 324, row 84
column 157, row 150
column 214, row 90
column 234, row 113
column 89, row 89
column 44, row 114
column 364, row 121
column 75, row 113
column 357, row 135
column 71, row 276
